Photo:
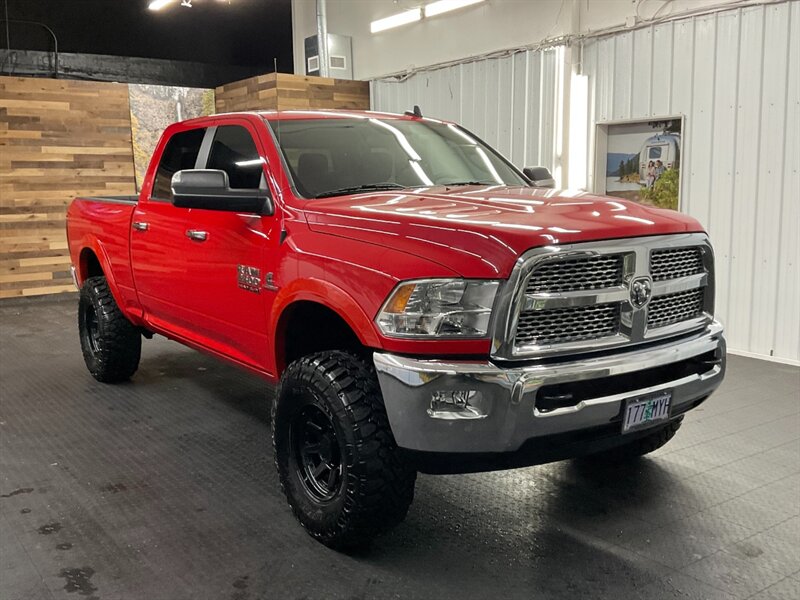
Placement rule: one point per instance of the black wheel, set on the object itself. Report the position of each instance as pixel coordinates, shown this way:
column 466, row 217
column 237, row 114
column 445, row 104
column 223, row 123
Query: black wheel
column 336, row 457
column 111, row 344
column 638, row 447
column 317, row 453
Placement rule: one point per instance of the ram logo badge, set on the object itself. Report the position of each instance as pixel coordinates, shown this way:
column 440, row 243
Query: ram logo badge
column 249, row 278
column 641, row 291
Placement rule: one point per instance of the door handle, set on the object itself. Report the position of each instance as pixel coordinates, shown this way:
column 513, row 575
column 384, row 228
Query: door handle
column 140, row 226
column 197, row 235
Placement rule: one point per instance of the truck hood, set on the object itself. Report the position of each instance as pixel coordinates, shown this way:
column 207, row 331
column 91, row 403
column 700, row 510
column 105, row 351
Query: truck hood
column 480, row 231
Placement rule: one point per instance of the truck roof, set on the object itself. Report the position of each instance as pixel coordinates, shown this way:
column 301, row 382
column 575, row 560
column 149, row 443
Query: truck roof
column 313, row 113
column 333, row 114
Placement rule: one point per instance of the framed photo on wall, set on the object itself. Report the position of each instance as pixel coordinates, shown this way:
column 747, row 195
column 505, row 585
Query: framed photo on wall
column 640, row 160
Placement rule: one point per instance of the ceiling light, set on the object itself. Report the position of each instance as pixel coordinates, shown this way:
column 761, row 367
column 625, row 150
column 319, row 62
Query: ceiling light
column 443, row 6
column 403, row 18
column 158, row 4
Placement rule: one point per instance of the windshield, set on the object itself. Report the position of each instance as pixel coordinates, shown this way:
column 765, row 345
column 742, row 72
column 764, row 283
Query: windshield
column 328, row 157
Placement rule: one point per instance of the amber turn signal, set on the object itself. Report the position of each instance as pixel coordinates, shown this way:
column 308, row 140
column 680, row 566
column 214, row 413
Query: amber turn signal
column 400, row 298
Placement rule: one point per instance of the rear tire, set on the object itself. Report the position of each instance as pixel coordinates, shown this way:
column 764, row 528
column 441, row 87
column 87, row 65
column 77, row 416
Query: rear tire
column 337, row 459
column 111, row 345
column 637, row 448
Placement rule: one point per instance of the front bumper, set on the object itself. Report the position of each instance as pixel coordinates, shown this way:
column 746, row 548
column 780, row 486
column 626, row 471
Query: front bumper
column 507, row 403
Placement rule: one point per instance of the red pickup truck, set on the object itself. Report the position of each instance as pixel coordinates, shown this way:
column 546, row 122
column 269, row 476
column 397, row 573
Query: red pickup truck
column 423, row 305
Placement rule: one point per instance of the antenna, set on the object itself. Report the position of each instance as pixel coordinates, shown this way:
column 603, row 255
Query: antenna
column 416, row 113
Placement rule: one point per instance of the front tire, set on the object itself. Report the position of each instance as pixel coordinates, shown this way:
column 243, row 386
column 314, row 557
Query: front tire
column 111, row 345
column 336, row 457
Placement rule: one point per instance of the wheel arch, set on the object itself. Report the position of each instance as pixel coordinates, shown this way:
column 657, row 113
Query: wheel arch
column 93, row 261
column 329, row 317
column 89, row 265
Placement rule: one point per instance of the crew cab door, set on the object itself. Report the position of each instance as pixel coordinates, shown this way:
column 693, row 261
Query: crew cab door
column 230, row 255
column 187, row 262
column 158, row 242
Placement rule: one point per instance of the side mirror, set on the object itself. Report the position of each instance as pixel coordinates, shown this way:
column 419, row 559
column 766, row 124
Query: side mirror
column 539, row 177
column 209, row 189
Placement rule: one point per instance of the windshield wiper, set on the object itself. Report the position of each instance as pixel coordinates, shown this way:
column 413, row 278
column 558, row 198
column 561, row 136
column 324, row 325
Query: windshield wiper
column 455, row 183
column 367, row 187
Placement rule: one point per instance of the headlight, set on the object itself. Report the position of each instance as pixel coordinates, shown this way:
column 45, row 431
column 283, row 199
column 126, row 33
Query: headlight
column 439, row 308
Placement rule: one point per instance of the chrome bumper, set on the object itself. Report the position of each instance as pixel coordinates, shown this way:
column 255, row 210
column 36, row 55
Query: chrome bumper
column 502, row 413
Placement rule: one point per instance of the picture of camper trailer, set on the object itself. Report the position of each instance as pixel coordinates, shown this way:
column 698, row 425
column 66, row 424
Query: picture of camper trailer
column 664, row 147
column 642, row 160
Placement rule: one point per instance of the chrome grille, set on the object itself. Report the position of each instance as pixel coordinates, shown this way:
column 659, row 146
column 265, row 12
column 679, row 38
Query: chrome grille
column 584, row 273
column 674, row 308
column 578, row 298
column 562, row 325
column 671, row 263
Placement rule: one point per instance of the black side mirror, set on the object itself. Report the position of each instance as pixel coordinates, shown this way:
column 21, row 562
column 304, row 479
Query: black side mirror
column 539, row 177
column 209, row 189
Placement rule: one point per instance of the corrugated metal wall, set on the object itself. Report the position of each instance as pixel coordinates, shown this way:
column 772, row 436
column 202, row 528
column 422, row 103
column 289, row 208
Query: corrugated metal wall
column 735, row 75
column 512, row 102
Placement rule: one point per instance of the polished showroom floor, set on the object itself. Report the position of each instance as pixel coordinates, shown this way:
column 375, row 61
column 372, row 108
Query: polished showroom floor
column 164, row 488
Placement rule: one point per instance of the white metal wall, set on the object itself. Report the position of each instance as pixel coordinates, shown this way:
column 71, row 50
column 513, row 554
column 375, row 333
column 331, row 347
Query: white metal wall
column 512, row 102
column 735, row 75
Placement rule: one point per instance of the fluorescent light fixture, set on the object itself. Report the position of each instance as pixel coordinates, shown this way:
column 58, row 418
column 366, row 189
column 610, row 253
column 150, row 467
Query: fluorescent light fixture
column 578, row 131
column 403, row 18
column 158, row 4
column 443, row 6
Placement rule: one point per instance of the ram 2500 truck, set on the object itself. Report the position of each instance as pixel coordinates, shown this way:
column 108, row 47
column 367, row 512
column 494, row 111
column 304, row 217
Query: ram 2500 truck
column 423, row 306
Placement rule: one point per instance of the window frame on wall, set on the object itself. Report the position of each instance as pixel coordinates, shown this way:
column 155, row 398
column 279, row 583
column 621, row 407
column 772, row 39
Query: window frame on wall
column 598, row 160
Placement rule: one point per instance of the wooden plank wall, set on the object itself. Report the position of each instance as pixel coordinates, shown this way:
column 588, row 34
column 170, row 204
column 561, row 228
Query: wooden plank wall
column 58, row 139
column 283, row 91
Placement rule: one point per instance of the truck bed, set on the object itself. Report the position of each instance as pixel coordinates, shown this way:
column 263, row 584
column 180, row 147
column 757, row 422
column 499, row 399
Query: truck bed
column 102, row 225
column 115, row 199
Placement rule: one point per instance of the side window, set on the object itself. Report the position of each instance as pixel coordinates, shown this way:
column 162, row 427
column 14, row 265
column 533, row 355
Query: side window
column 180, row 153
column 234, row 152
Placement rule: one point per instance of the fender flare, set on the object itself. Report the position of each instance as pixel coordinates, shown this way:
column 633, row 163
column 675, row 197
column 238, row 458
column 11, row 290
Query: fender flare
column 95, row 245
column 329, row 296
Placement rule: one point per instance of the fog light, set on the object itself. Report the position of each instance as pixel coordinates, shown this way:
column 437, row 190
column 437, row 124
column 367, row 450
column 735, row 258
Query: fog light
column 457, row 404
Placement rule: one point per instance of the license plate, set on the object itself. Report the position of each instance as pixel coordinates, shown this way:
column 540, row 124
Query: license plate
column 645, row 410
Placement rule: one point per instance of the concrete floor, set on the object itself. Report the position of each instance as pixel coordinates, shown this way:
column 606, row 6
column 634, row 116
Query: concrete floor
column 164, row 488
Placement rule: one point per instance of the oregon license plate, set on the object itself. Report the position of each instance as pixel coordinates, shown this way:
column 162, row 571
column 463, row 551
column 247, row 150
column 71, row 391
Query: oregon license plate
column 645, row 410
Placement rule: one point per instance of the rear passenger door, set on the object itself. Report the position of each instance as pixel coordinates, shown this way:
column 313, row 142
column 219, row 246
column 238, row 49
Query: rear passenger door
column 158, row 242
column 230, row 254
